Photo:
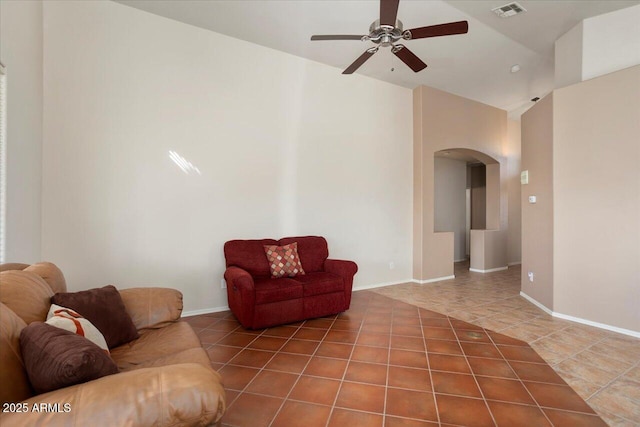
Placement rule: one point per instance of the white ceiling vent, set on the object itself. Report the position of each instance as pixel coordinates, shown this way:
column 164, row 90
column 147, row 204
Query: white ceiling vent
column 508, row 10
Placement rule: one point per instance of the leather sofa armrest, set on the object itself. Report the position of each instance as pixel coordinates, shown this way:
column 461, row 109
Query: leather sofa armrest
column 152, row 307
column 346, row 269
column 174, row 395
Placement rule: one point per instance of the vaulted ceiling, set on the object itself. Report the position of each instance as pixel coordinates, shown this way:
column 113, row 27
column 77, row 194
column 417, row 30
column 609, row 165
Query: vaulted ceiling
column 474, row 65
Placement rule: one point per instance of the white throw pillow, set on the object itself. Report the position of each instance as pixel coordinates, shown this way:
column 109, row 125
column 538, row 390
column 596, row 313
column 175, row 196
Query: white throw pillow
column 70, row 320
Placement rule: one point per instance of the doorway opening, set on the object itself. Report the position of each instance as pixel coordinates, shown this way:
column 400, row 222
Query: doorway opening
column 466, row 201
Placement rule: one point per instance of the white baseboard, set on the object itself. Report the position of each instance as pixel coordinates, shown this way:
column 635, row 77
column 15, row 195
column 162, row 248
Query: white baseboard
column 491, row 270
column 514, row 263
column 599, row 325
column 437, row 279
column 190, row 313
column 629, row 332
column 460, row 260
column 380, row 285
column 536, row 303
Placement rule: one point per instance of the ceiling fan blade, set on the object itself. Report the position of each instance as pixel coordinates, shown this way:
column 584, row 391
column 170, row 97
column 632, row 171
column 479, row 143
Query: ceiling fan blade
column 337, row 37
column 460, row 27
column 361, row 60
column 388, row 12
column 408, row 58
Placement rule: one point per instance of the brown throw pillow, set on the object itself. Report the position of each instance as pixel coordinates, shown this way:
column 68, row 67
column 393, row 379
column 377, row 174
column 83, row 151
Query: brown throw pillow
column 55, row 358
column 105, row 309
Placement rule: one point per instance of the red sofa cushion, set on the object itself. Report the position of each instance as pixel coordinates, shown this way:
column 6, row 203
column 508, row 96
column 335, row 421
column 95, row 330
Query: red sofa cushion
column 249, row 255
column 273, row 290
column 319, row 283
column 313, row 251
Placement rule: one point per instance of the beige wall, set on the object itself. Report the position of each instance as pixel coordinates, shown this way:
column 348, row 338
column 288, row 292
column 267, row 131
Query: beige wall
column 598, row 45
column 596, row 170
column 568, row 57
column 512, row 152
column 537, row 219
column 445, row 121
column 285, row 146
column 450, row 184
column 611, row 42
column 488, row 249
column 21, row 53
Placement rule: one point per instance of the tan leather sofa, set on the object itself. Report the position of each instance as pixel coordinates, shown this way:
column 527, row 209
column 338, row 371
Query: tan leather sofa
column 165, row 377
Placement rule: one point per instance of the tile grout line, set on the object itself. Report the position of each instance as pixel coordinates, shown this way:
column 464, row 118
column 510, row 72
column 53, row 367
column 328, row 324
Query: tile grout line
column 386, row 380
column 426, row 354
column 637, row 364
column 464, row 354
column 344, row 374
column 284, row 400
column 540, row 320
column 521, row 381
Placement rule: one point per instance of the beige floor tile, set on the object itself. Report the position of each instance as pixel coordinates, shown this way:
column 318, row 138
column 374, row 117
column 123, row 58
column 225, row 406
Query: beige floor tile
column 549, row 356
column 601, row 366
column 603, row 361
column 614, row 420
column 615, row 404
column 627, row 388
column 616, row 351
column 583, row 387
column 585, row 371
column 633, row 374
column 556, row 346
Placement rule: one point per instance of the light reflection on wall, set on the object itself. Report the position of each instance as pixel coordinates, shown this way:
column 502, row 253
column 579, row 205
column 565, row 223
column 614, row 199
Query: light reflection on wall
column 186, row 166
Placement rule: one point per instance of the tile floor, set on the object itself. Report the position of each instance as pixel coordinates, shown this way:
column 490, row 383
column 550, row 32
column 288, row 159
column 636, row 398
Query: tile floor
column 389, row 362
column 602, row 366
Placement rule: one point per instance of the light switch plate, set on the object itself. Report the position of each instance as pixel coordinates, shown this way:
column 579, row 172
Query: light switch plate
column 524, row 177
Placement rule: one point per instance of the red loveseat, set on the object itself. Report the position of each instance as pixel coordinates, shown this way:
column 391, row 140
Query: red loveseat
column 259, row 301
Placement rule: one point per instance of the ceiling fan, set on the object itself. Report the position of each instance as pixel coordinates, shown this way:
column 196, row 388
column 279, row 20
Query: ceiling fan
column 387, row 30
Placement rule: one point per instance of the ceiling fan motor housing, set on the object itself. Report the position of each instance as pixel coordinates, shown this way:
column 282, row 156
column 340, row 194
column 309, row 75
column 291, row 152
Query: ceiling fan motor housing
column 388, row 30
column 385, row 35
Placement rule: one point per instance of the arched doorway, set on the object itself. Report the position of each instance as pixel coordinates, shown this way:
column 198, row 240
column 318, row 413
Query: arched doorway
column 467, row 204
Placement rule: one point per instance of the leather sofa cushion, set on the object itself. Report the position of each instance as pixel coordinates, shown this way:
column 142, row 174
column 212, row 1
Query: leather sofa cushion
column 313, row 251
column 15, row 384
column 155, row 346
column 13, row 266
column 192, row 355
column 105, row 309
column 320, row 283
column 273, row 290
column 152, row 307
column 55, row 358
column 51, row 274
column 26, row 293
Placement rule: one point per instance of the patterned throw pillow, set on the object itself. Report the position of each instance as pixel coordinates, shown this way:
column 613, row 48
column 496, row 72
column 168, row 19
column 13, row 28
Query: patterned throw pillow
column 284, row 260
column 70, row 320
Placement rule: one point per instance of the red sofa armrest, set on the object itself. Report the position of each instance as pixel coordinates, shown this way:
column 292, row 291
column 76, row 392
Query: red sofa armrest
column 344, row 269
column 241, row 294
